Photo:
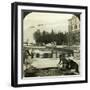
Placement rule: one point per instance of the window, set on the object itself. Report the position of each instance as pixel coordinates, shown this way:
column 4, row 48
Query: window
column 75, row 27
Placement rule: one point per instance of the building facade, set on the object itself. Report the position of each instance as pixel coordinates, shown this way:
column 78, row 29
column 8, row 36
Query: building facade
column 74, row 31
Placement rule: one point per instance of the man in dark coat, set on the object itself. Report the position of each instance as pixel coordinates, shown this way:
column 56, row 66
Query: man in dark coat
column 63, row 61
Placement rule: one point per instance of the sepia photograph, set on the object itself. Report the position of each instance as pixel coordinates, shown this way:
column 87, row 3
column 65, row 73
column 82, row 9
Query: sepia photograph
column 51, row 44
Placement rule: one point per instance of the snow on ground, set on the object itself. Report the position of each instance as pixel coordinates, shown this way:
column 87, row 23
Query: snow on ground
column 45, row 63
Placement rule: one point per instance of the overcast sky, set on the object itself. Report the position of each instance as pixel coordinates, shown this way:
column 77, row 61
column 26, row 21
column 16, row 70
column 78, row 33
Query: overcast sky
column 44, row 21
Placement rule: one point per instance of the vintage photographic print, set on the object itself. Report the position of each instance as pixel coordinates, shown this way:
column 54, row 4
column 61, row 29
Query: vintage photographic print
column 49, row 44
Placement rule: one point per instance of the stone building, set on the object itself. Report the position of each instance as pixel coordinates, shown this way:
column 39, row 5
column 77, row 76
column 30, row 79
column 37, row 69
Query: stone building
column 74, row 31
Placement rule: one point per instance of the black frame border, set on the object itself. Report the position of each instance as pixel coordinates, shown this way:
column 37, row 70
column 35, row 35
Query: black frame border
column 14, row 43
